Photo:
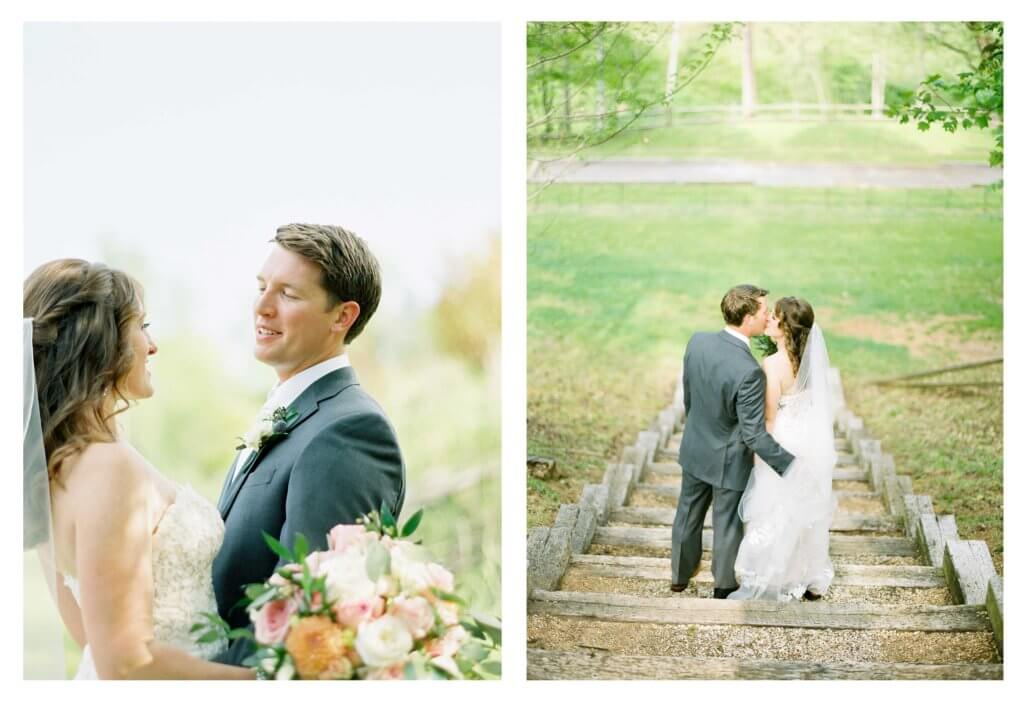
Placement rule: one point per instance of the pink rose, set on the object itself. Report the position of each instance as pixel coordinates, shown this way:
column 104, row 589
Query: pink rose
column 438, row 576
column 351, row 613
column 415, row 613
column 448, row 644
column 343, row 537
column 279, row 581
column 271, row 622
column 448, row 612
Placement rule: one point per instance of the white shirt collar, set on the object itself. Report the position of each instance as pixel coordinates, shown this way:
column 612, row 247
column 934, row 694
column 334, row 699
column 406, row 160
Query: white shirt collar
column 738, row 335
column 286, row 392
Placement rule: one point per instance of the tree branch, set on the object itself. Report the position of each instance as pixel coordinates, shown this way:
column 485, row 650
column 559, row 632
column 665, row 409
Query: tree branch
column 548, row 59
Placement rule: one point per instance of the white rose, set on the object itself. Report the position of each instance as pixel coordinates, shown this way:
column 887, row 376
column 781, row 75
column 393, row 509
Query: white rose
column 346, row 577
column 409, row 566
column 287, row 671
column 384, row 642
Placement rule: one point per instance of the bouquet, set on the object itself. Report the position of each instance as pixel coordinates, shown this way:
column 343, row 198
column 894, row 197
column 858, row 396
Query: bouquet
column 374, row 605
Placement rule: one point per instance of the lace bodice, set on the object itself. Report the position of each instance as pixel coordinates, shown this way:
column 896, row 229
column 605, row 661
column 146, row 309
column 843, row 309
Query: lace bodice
column 794, row 403
column 186, row 541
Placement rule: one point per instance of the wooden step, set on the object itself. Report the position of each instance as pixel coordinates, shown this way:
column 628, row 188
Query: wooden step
column 838, row 544
column 672, row 491
column 660, row 516
column 842, row 445
column 636, row 609
column 563, row 664
column 838, row 475
column 660, row 568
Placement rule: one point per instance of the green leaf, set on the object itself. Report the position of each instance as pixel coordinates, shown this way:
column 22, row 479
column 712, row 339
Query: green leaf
column 301, row 547
column 210, row 637
column 275, row 545
column 263, row 598
column 490, row 625
column 387, row 519
column 492, row 667
column 923, row 126
column 197, row 627
column 474, row 651
column 446, row 596
column 412, row 524
column 254, row 590
column 240, row 633
column 378, row 562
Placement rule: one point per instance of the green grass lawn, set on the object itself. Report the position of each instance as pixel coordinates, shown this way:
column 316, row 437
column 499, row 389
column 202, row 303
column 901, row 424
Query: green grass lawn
column 885, row 141
column 620, row 276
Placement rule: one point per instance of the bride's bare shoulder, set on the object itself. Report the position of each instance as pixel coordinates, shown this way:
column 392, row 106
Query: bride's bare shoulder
column 115, row 464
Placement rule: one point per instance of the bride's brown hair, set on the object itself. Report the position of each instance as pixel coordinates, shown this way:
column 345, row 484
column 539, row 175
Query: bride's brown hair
column 81, row 313
column 796, row 317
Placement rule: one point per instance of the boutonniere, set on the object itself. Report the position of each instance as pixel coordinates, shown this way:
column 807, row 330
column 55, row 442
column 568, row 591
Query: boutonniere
column 270, row 425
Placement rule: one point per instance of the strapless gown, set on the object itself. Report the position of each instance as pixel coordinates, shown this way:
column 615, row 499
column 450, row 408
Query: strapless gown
column 786, row 519
column 186, row 541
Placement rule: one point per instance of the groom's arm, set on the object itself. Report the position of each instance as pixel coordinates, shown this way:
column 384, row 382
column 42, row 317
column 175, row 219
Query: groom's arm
column 750, row 412
column 349, row 469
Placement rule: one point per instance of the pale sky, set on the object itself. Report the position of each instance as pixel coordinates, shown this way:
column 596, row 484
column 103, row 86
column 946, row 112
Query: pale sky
column 189, row 143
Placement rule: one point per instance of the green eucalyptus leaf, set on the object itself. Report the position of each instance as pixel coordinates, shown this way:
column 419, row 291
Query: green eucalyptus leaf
column 412, row 524
column 378, row 562
column 387, row 519
column 275, row 545
column 301, row 547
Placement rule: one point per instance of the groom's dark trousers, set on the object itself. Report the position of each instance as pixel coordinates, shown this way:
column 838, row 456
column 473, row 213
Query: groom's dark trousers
column 724, row 396
column 338, row 461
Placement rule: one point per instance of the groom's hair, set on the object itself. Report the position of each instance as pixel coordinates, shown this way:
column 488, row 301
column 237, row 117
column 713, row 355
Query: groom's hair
column 741, row 301
column 349, row 272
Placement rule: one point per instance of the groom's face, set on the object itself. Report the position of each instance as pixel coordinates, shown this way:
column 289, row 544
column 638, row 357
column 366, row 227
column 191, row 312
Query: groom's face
column 294, row 328
column 759, row 321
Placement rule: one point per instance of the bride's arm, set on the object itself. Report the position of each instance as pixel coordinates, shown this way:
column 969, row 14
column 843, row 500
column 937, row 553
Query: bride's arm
column 113, row 551
column 772, row 392
column 69, row 613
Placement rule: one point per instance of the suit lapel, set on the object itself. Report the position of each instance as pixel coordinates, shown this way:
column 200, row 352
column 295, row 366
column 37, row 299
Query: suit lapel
column 227, row 482
column 306, row 405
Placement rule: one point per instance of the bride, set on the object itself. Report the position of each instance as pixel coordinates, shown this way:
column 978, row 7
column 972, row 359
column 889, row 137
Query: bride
column 131, row 549
column 784, row 552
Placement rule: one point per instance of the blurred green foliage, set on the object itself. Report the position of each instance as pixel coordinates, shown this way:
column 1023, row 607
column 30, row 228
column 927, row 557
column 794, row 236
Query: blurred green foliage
column 816, row 63
column 467, row 319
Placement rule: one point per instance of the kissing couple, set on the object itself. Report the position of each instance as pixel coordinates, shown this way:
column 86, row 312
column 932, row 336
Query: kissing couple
column 138, row 559
column 758, row 445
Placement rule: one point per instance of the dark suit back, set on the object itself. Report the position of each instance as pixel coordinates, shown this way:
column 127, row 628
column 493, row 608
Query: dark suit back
column 724, row 395
column 340, row 460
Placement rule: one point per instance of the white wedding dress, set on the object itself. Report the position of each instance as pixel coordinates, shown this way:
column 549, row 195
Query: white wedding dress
column 185, row 542
column 786, row 519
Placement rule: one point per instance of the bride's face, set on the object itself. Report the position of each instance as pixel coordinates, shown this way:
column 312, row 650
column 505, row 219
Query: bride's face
column 138, row 383
column 772, row 328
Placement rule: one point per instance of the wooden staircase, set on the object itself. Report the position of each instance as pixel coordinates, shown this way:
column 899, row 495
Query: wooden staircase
column 910, row 600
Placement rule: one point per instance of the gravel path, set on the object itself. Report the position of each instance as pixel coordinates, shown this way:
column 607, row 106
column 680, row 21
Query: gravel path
column 661, row 170
column 767, row 642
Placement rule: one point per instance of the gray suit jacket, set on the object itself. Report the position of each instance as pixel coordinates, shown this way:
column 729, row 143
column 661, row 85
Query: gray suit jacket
column 724, row 395
column 340, row 460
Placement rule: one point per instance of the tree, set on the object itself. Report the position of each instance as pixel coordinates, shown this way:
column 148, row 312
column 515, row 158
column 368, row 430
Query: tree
column 974, row 99
column 608, row 65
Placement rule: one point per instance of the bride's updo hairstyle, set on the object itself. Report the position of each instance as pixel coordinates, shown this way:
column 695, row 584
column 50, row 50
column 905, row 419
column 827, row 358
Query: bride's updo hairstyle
column 796, row 317
column 81, row 351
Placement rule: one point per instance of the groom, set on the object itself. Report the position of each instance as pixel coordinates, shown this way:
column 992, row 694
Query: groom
column 330, row 454
column 723, row 395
